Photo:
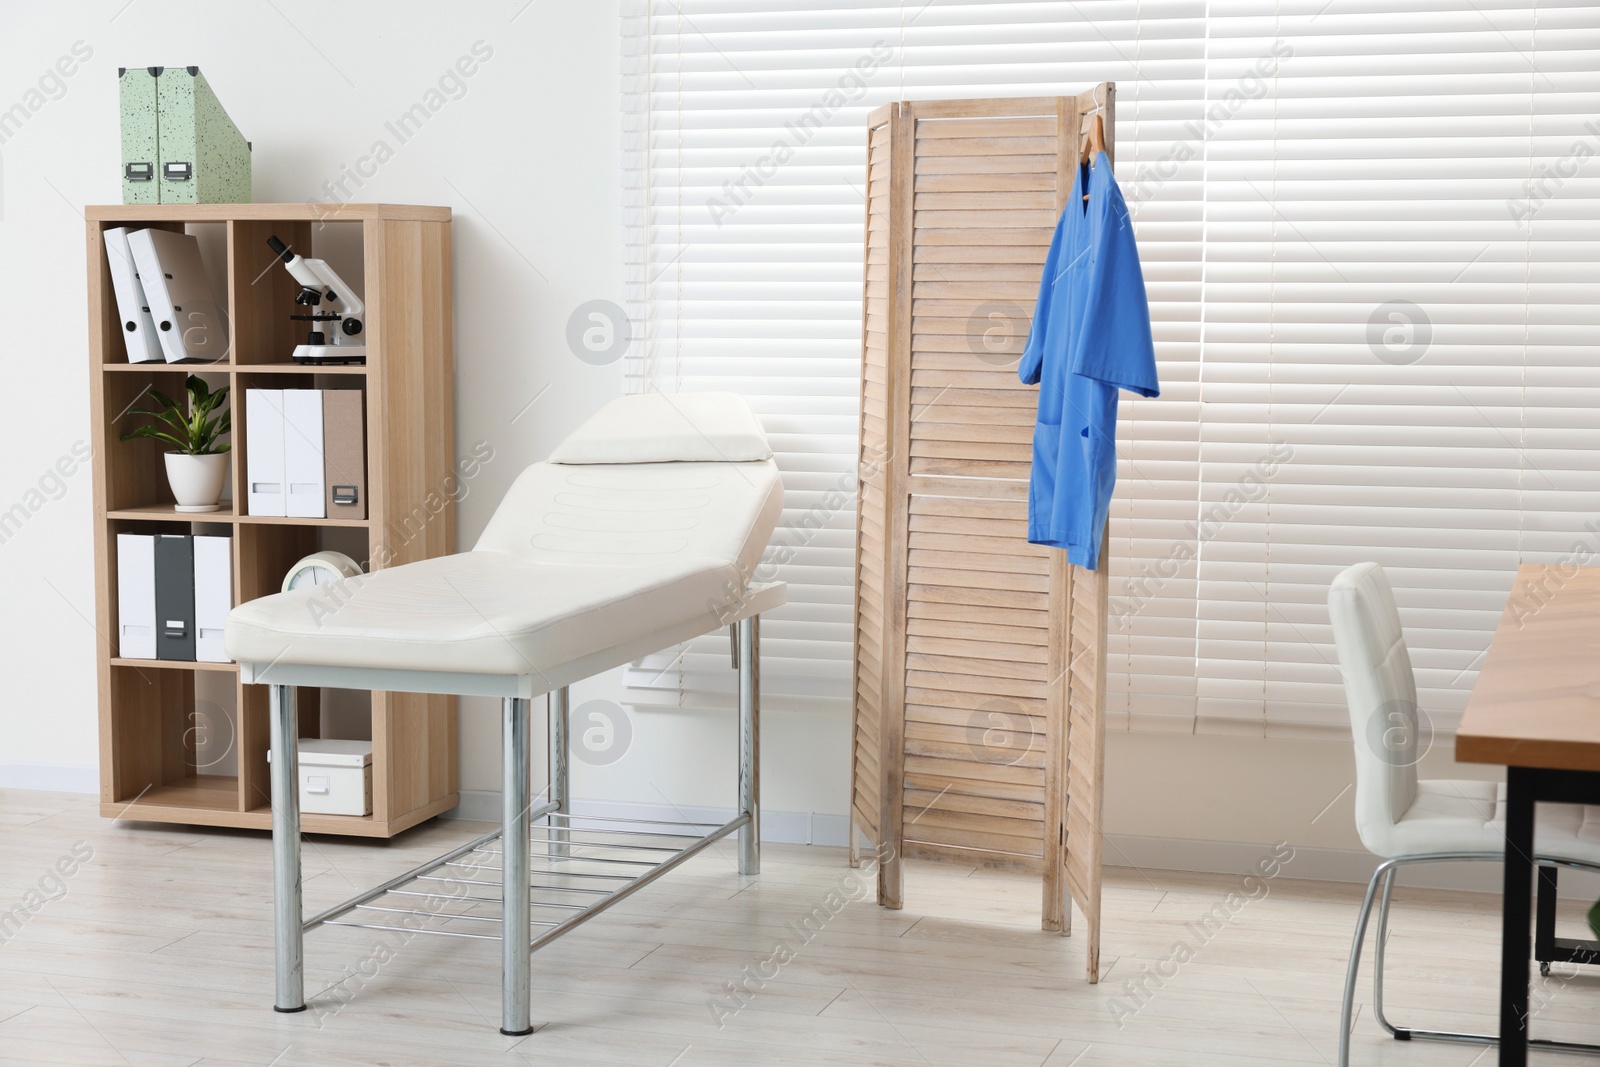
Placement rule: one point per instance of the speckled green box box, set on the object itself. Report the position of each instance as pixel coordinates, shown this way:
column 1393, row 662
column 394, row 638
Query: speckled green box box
column 137, row 88
column 204, row 159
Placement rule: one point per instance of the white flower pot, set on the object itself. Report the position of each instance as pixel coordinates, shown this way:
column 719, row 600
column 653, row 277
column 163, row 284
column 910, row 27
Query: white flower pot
column 196, row 481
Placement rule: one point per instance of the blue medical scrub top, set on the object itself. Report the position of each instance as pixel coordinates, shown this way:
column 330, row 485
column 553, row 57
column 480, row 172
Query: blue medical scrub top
column 1090, row 337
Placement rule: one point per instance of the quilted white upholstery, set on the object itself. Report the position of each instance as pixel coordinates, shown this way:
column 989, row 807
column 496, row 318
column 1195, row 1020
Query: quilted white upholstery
column 1378, row 685
column 1468, row 816
column 1396, row 814
column 576, row 560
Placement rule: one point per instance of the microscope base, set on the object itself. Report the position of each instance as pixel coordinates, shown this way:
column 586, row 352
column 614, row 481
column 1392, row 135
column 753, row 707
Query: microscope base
column 314, row 354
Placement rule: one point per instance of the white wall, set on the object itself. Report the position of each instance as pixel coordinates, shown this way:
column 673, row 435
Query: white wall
column 525, row 151
column 1219, row 788
column 528, row 158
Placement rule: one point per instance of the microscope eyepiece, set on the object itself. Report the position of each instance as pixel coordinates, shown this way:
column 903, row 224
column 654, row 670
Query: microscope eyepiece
column 280, row 248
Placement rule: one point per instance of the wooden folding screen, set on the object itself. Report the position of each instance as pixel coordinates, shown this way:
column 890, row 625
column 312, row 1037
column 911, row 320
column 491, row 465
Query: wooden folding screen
column 980, row 666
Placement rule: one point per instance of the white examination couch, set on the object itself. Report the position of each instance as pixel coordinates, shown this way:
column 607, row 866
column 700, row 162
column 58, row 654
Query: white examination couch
column 641, row 531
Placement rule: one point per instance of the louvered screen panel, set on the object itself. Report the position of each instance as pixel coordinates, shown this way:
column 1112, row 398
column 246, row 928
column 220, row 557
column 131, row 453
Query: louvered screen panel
column 1085, row 666
column 984, row 208
column 977, row 669
column 871, row 546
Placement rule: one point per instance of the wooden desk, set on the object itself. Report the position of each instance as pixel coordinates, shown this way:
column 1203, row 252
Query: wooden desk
column 1536, row 711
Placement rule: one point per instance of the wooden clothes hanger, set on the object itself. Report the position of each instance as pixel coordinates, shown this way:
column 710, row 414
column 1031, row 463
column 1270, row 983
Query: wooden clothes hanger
column 1095, row 140
column 1095, row 143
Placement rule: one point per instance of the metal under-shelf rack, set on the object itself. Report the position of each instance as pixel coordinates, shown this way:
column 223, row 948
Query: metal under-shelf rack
column 580, row 866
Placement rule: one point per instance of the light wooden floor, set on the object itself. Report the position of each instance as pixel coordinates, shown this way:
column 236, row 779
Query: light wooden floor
column 159, row 953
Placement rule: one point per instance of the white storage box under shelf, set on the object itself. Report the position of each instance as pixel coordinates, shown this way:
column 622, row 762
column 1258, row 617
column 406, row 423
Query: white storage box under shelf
column 335, row 776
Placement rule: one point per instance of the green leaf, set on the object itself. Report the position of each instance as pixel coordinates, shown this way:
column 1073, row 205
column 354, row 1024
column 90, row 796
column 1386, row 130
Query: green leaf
column 154, row 434
column 208, row 437
column 162, row 400
column 172, row 418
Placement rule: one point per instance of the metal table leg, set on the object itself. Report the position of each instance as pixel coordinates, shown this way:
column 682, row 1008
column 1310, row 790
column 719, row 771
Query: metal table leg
column 1515, row 942
column 560, row 794
column 288, row 937
column 750, row 744
column 516, row 962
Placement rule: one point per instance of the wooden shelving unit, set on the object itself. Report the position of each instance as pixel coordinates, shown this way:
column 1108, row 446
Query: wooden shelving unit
column 148, row 764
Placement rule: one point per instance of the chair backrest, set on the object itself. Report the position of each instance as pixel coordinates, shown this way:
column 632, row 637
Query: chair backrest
column 1382, row 693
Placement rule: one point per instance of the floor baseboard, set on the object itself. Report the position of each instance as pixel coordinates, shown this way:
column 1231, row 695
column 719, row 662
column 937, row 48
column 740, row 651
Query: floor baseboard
column 785, row 827
column 49, row 777
column 1121, row 850
column 1134, row 851
column 1317, row 864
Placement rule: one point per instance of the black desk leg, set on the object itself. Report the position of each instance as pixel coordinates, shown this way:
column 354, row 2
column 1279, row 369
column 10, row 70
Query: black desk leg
column 1544, row 919
column 1515, row 943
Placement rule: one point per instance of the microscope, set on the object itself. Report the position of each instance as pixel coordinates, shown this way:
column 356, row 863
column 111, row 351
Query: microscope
column 318, row 283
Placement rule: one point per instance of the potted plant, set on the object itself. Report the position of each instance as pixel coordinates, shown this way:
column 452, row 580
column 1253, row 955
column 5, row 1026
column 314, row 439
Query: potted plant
column 197, row 464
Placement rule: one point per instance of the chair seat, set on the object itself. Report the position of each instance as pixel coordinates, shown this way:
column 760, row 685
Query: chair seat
column 1469, row 816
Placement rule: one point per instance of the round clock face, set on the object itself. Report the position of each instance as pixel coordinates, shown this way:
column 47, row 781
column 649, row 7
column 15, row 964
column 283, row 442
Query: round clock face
column 308, row 576
column 321, row 568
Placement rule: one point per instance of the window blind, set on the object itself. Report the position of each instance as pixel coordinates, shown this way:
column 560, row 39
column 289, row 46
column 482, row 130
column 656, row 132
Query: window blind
column 1365, row 241
column 1393, row 301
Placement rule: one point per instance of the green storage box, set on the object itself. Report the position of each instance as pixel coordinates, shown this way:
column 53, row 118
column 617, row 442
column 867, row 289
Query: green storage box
column 204, row 157
column 198, row 155
column 137, row 88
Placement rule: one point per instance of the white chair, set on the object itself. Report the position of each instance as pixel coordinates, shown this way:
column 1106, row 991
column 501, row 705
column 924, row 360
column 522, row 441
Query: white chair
column 1406, row 821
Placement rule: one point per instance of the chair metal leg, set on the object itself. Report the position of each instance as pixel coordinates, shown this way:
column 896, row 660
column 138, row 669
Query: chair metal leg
column 750, row 744
column 1405, row 1033
column 560, row 792
column 1347, row 1009
column 1378, row 948
column 516, row 961
column 288, row 934
column 1387, row 872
